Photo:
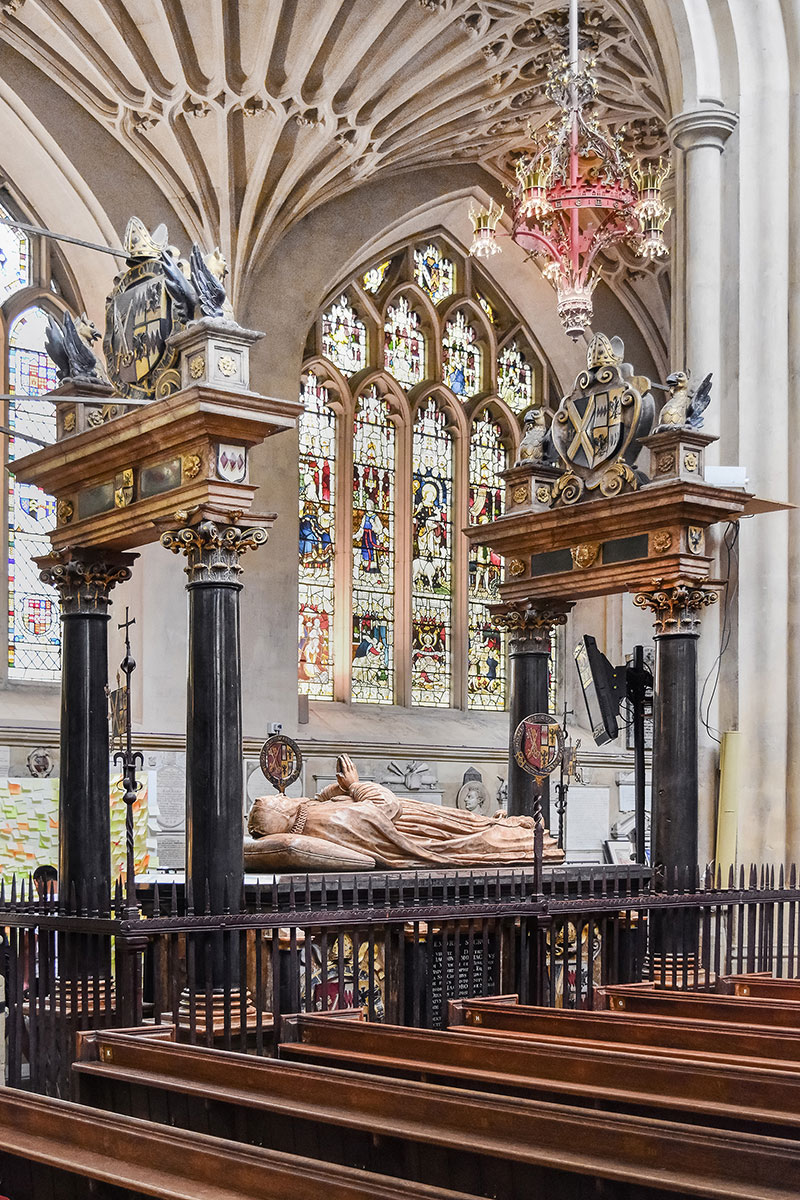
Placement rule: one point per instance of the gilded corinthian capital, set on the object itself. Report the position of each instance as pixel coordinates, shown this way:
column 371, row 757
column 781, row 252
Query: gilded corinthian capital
column 214, row 547
column 84, row 578
column 529, row 622
column 676, row 606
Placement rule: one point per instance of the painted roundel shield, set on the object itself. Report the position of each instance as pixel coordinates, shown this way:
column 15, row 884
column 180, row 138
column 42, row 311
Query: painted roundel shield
column 538, row 744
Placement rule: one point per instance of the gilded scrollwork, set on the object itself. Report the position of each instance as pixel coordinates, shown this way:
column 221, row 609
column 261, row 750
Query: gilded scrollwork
column 84, row 584
column 676, row 606
column 213, row 549
column 529, row 623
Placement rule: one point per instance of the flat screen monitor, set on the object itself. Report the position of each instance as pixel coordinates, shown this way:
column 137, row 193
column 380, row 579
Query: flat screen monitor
column 600, row 691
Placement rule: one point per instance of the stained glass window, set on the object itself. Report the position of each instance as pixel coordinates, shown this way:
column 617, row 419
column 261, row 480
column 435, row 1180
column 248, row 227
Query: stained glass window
column 374, row 277
column 486, row 672
column 461, row 357
column 432, row 557
column 514, row 378
column 485, row 305
column 434, row 273
column 14, row 259
column 317, row 432
column 344, row 337
column 373, row 552
column 34, row 631
column 404, row 344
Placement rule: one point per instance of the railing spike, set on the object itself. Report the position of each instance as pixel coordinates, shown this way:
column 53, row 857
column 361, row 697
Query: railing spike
column 793, row 876
column 781, row 878
column 207, row 898
column 156, row 901
column 190, row 897
column 13, row 891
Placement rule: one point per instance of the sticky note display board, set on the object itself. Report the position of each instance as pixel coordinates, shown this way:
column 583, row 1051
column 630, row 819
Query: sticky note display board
column 29, row 826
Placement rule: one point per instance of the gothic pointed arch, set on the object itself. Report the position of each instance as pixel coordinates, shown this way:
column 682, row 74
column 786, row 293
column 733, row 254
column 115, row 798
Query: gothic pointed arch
column 405, row 617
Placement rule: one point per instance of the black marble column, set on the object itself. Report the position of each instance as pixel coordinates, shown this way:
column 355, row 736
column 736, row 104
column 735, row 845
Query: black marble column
column 214, row 783
column 676, row 721
column 84, row 579
column 529, row 676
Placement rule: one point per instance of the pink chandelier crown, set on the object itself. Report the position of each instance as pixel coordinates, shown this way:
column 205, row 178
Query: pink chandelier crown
column 577, row 192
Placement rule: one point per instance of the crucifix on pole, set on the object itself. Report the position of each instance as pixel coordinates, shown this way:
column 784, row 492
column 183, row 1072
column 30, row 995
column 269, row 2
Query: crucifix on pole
column 129, row 760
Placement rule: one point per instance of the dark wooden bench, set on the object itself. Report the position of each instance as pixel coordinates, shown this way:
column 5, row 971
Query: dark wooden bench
column 499, row 1146
column 729, row 1093
column 760, row 987
column 707, row 1006
column 56, row 1150
column 662, row 1037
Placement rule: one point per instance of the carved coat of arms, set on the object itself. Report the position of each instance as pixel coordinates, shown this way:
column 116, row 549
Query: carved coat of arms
column 597, row 428
column 140, row 316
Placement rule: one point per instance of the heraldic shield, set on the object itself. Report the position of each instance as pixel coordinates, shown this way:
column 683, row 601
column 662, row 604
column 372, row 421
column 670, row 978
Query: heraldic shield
column 139, row 320
column 597, row 428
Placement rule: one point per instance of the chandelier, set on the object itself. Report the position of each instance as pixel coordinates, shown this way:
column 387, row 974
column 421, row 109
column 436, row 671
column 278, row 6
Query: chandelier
column 577, row 192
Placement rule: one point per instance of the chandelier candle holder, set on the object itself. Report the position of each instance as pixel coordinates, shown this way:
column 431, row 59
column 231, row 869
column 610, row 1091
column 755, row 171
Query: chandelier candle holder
column 577, row 193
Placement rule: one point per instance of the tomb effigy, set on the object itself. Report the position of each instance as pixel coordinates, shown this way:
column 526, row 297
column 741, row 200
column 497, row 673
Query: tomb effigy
column 361, row 825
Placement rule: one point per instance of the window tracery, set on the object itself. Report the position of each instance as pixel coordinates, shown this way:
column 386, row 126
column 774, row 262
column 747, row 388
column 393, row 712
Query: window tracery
column 344, row 337
column 317, row 436
column 404, row 344
column 395, row 599
column 515, row 378
column 34, row 629
column 14, row 259
column 373, row 551
column 486, row 673
column 432, row 557
column 372, row 279
column 461, row 357
column 434, row 273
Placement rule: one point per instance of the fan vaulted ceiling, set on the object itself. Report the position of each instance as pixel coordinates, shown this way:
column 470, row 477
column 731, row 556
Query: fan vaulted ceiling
column 249, row 114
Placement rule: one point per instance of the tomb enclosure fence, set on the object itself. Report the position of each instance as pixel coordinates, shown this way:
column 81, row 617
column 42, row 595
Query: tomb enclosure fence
column 398, row 947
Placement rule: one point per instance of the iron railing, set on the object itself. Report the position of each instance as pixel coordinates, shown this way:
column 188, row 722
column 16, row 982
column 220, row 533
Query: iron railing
column 398, row 946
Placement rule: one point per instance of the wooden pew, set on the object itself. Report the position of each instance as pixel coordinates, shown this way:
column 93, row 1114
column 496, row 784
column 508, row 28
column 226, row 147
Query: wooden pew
column 707, row 1006
column 670, row 1038
column 760, row 987
column 506, row 1147
column 724, row 1093
column 56, row 1150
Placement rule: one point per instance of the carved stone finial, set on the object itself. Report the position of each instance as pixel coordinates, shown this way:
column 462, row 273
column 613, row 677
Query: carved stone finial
column 676, row 606
column 213, row 549
column 84, row 579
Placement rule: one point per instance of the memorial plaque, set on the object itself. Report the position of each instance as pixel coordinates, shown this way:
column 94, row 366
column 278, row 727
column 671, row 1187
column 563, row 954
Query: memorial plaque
column 440, row 977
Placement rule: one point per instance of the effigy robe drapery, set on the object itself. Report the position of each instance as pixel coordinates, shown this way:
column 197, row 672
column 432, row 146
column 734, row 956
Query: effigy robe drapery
column 361, row 825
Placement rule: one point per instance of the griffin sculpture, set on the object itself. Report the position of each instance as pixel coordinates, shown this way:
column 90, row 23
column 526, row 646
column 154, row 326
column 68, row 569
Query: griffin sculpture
column 70, row 348
column 686, row 404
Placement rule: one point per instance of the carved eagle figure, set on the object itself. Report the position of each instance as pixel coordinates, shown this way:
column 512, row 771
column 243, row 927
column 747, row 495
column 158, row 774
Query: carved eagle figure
column 70, row 348
column 536, row 445
column 208, row 285
column 686, row 404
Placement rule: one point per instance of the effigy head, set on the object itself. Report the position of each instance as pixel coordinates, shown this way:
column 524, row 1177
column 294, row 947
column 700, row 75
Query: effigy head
column 272, row 814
